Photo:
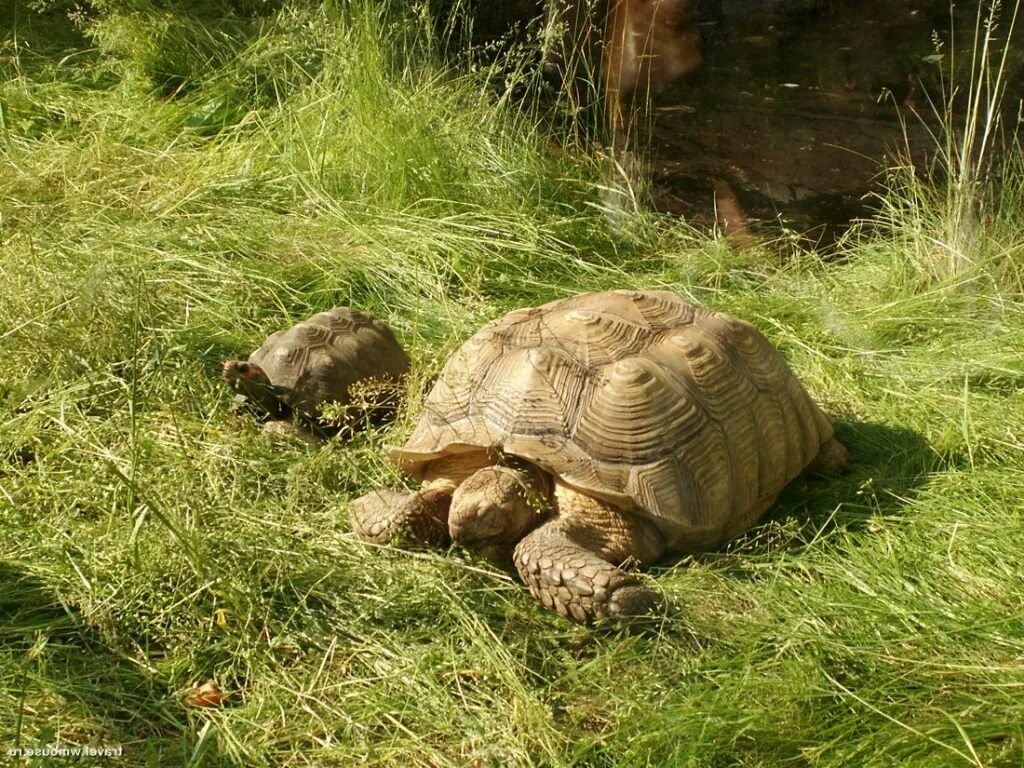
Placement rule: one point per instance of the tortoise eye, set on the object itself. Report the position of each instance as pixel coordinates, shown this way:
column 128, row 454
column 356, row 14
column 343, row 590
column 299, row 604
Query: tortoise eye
column 243, row 368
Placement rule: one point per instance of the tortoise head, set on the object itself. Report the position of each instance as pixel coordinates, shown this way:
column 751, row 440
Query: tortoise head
column 496, row 506
column 251, row 381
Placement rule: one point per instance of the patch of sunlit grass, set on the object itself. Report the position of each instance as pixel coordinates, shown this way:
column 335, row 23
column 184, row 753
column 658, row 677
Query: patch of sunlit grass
column 151, row 540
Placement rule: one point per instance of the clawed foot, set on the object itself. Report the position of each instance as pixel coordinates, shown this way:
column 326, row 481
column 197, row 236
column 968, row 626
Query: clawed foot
column 635, row 602
column 579, row 584
column 390, row 517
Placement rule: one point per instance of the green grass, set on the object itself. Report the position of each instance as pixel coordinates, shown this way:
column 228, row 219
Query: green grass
column 158, row 215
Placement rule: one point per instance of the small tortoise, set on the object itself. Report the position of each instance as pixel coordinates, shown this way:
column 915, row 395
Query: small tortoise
column 319, row 361
column 601, row 432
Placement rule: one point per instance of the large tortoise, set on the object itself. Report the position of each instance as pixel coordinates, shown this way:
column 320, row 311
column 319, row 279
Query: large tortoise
column 601, row 432
column 321, row 360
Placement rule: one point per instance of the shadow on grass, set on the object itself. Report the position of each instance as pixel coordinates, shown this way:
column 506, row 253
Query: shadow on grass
column 887, row 464
column 65, row 686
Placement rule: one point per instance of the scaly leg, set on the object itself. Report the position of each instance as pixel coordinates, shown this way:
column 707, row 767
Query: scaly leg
column 570, row 563
column 421, row 517
column 386, row 517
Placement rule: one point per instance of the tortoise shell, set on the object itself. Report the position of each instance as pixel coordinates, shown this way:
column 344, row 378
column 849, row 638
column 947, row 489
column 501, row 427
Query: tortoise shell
column 680, row 414
column 318, row 360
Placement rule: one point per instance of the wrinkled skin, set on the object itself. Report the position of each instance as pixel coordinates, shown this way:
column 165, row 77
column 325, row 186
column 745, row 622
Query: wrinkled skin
column 567, row 547
column 573, row 552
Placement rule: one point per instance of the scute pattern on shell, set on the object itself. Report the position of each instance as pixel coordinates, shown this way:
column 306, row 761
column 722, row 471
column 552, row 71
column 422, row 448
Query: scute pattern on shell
column 319, row 359
column 686, row 416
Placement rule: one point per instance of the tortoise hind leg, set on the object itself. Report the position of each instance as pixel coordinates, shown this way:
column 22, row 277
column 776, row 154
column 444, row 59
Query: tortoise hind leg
column 385, row 517
column 832, row 460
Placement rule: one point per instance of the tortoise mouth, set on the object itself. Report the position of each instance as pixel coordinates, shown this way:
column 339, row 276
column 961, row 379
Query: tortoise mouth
column 234, row 370
column 477, row 537
column 492, row 548
column 249, row 381
column 494, row 531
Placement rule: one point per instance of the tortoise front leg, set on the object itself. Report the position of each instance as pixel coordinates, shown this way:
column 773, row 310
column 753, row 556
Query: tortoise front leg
column 386, row 517
column 569, row 562
column 576, row 582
